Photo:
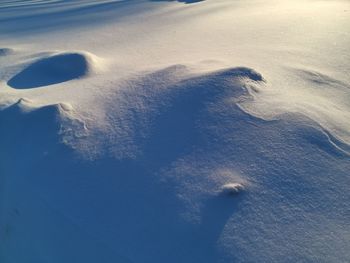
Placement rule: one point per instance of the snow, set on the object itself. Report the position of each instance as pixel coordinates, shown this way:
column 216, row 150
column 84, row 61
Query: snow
column 232, row 188
column 52, row 70
column 174, row 131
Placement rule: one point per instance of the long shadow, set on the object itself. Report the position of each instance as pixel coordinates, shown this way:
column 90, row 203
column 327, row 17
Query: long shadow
column 182, row 1
column 57, row 16
column 215, row 214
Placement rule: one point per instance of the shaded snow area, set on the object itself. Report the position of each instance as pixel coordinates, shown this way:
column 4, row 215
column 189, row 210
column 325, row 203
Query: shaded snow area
column 174, row 131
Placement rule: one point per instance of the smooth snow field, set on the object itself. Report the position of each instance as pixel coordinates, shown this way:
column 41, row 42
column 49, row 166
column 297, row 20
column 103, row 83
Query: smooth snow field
column 174, row 131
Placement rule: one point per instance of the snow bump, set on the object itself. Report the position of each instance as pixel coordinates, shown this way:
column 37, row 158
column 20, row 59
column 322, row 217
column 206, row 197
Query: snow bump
column 232, row 188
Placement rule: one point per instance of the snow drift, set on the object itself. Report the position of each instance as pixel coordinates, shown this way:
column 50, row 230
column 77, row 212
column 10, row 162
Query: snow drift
column 180, row 131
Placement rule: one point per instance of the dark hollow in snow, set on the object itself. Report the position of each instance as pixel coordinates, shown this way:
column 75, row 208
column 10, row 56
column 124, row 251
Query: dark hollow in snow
column 5, row 51
column 51, row 70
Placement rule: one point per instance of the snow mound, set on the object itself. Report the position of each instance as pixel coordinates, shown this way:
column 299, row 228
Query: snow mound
column 53, row 69
column 168, row 105
column 181, row 133
column 175, row 117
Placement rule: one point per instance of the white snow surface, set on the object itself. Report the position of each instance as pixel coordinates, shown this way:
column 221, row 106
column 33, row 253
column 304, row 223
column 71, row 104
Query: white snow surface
column 174, row 131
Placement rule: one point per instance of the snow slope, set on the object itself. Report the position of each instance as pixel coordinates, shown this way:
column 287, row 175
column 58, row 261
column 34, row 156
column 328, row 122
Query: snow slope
column 174, row 131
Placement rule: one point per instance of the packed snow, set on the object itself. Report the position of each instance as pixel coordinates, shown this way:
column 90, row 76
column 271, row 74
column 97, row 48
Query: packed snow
column 174, row 131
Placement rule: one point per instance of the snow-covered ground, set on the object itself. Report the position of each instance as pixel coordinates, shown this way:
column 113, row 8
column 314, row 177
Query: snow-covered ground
column 174, row 131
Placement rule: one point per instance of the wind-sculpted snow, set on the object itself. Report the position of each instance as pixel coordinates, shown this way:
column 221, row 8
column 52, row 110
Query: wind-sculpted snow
column 174, row 131
column 317, row 95
column 163, row 202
